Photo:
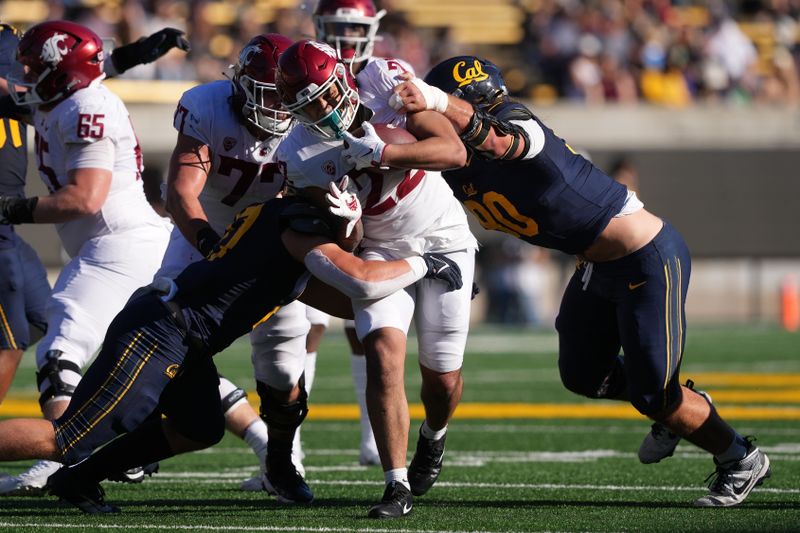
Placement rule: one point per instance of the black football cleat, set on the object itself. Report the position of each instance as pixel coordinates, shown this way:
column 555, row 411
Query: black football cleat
column 426, row 465
column 397, row 502
column 87, row 496
column 284, row 481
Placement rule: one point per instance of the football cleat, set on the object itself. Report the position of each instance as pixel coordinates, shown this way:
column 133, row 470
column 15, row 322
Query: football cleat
column 284, row 481
column 397, row 501
column 135, row 475
column 31, row 482
column 426, row 465
column 660, row 443
column 87, row 496
column 732, row 482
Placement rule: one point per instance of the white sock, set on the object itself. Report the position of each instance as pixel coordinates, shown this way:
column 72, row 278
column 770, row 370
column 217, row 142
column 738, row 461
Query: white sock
column 256, row 437
column 735, row 452
column 311, row 370
column 358, row 366
column 398, row 474
column 431, row 434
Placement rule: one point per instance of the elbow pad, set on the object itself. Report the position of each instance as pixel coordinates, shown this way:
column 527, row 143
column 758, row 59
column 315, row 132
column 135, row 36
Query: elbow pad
column 478, row 130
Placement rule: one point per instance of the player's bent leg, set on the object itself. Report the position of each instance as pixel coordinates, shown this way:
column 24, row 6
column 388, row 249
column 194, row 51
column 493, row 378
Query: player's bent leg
column 279, row 356
column 9, row 362
column 283, row 412
column 368, row 450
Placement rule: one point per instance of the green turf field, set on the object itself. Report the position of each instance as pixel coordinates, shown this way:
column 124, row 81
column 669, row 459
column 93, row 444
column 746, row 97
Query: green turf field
column 542, row 460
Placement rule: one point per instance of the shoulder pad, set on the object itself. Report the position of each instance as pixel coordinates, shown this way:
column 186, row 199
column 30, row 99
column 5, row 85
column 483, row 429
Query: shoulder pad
column 507, row 110
column 305, row 218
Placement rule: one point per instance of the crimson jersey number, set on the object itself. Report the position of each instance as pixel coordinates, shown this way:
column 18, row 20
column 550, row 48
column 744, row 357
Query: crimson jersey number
column 248, row 172
column 373, row 206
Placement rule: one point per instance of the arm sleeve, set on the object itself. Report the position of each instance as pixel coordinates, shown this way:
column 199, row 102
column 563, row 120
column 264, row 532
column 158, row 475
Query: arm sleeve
column 324, row 269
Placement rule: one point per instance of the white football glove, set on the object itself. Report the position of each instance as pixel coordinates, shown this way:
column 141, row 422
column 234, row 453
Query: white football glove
column 435, row 98
column 344, row 204
column 366, row 151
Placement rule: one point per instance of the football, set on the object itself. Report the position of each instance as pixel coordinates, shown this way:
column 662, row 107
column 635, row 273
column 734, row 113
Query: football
column 391, row 134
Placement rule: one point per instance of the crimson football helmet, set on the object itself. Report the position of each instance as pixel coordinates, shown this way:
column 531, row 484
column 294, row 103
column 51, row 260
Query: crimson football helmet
column 60, row 58
column 317, row 88
column 350, row 26
column 254, row 81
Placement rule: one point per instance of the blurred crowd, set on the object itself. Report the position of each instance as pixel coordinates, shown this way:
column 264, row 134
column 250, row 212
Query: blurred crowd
column 668, row 52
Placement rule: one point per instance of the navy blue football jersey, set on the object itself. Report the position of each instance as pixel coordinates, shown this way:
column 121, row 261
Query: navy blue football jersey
column 557, row 199
column 13, row 141
column 245, row 279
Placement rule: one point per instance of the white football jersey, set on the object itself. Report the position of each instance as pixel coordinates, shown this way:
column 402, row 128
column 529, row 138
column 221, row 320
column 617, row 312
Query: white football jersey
column 242, row 171
column 408, row 211
column 85, row 117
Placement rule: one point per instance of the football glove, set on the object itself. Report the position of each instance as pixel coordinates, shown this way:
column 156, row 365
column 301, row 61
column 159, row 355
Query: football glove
column 443, row 268
column 148, row 49
column 344, row 204
column 206, row 240
column 166, row 288
column 366, row 151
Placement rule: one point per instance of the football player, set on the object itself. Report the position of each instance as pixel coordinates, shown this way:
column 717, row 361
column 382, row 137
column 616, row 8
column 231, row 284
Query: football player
column 90, row 160
column 26, row 290
column 629, row 288
column 228, row 131
column 406, row 211
column 154, row 381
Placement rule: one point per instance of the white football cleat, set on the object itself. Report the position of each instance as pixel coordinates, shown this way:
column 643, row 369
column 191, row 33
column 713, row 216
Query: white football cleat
column 734, row 481
column 31, row 482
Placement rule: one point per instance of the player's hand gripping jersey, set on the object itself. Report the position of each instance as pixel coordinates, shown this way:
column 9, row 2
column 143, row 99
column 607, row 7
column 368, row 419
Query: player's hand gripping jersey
column 241, row 172
column 94, row 118
column 407, row 211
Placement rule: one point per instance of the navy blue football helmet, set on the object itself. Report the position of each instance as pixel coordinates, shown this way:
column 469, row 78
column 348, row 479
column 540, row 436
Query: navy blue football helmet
column 471, row 78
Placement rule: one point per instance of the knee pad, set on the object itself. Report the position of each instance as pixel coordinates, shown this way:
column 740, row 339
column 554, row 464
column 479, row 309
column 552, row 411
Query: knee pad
column 279, row 415
column 231, row 395
column 57, row 378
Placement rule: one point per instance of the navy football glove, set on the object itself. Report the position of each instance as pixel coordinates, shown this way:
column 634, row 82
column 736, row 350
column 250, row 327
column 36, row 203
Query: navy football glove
column 443, row 268
column 148, row 49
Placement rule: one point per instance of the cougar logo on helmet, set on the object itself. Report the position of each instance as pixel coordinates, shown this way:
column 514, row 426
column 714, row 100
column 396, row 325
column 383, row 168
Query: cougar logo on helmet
column 472, row 74
column 54, row 49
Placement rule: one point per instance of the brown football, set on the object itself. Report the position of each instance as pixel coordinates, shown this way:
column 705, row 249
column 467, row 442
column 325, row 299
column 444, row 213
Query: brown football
column 390, row 134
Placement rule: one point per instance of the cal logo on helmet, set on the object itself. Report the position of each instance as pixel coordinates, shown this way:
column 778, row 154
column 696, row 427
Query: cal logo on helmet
column 464, row 75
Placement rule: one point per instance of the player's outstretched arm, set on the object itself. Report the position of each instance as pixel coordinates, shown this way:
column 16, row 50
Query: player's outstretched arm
column 414, row 95
column 189, row 166
column 84, row 195
column 145, row 50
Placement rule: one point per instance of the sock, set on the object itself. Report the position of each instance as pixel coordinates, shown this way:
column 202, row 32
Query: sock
column 144, row 445
column 431, row 434
column 399, row 475
column 311, row 370
column 358, row 367
column 735, row 452
column 256, row 437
